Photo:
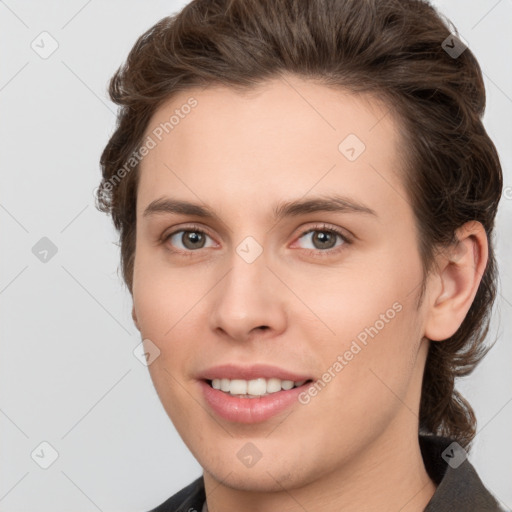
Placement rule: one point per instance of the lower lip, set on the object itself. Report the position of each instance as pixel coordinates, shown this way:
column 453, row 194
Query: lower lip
column 250, row 410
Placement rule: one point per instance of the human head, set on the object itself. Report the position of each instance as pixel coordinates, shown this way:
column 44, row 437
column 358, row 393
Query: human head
column 391, row 50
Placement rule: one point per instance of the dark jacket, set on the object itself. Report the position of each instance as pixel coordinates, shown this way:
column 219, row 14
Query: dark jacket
column 459, row 489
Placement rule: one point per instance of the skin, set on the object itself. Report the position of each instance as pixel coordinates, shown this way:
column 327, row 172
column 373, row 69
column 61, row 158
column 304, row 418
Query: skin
column 354, row 446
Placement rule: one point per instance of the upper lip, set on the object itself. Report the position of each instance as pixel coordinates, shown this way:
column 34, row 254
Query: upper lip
column 232, row 371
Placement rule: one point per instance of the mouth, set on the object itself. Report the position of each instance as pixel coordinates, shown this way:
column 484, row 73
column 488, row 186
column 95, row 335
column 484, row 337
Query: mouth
column 251, row 401
column 251, row 394
column 254, row 388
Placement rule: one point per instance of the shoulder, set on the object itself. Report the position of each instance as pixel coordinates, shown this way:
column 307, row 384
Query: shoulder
column 189, row 499
column 458, row 485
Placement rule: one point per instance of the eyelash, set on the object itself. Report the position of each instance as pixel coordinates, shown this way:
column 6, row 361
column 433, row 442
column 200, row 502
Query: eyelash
column 318, row 253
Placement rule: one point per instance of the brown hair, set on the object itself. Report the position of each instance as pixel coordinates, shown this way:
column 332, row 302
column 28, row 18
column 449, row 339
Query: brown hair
column 391, row 48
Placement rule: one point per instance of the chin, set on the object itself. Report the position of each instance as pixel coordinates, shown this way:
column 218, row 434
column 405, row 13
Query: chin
column 263, row 477
column 261, row 481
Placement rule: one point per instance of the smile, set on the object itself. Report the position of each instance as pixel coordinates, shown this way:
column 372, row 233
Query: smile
column 253, row 388
column 257, row 406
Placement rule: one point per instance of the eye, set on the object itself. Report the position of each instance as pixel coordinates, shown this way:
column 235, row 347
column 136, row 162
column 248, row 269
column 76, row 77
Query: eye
column 324, row 239
column 192, row 238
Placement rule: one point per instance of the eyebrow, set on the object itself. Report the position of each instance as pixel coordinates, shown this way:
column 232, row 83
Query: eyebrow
column 329, row 203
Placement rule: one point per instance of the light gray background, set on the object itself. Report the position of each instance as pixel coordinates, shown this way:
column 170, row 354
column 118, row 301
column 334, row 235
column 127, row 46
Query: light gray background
column 67, row 372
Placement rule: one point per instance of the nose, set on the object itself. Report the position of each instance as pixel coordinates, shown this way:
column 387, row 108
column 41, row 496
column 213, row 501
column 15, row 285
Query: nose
column 248, row 300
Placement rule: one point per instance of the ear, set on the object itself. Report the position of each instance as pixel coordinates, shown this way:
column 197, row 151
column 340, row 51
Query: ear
column 134, row 316
column 453, row 288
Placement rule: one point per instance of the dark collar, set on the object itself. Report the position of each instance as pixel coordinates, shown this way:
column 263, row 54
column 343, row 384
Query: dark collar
column 458, row 485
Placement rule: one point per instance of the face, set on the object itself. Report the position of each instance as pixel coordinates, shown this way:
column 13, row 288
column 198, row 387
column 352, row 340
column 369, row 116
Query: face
column 299, row 262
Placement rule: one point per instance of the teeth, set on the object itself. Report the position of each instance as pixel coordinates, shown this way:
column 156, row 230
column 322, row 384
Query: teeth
column 287, row 384
column 254, row 388
column 224, row 385
column 238, row 387
column 273, row 385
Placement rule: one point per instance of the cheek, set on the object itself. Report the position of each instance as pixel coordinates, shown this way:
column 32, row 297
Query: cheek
column 167, row 303
column 163, row 296
column 344, row 303
column 370, row 326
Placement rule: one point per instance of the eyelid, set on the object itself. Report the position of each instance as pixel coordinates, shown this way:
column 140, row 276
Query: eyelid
column 323, row 226
column 189, row 227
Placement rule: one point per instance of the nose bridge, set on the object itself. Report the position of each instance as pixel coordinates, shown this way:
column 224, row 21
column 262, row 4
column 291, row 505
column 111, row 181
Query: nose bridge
column 245, row 283
column 246, row 298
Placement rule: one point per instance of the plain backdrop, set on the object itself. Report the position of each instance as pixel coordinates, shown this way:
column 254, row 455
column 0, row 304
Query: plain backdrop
column 68, row 375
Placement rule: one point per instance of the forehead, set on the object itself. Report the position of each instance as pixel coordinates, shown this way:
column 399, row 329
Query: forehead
column 289, row 106
column 286, row 137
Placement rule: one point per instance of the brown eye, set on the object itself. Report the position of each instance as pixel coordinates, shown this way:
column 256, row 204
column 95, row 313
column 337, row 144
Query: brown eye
column 324, row 240
column 193, row 239
column 188, row 240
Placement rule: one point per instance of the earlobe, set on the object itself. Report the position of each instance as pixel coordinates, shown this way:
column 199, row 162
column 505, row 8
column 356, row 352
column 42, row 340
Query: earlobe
column 460, row 269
